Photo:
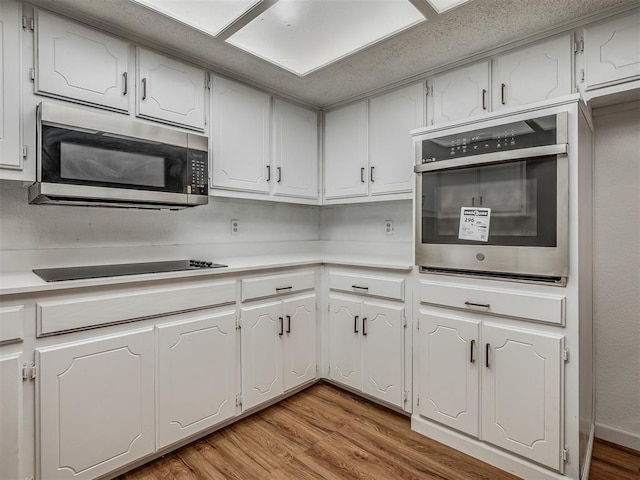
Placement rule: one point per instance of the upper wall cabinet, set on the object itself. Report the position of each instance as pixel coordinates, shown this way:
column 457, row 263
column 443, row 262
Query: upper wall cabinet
column 295, row 150
column 78, row 63
column 612, row 51
column 170, row 91
column 240, row 137
column 10, row 124
column 532, row 74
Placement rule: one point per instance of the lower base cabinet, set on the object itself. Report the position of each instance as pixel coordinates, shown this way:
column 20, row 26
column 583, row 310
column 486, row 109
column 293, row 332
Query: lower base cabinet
column 11, row 412
column 500, row 384
column 94, row 404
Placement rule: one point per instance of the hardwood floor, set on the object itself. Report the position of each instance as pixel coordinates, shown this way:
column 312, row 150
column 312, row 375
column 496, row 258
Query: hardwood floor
column 327, row 433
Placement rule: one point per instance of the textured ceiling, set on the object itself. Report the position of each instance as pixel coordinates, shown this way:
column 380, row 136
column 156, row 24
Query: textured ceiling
column 470, row 30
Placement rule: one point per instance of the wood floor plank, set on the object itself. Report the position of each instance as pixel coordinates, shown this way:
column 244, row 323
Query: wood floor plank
column 614, row 462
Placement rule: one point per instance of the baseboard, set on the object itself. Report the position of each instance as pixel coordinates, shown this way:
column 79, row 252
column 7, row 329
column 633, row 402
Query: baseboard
column 620, row 437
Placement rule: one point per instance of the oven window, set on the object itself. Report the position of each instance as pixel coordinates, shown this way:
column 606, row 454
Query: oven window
column 521, row 196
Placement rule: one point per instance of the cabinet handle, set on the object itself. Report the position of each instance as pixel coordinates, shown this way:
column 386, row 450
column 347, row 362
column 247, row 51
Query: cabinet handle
column 288, row 323
column 473, row 344
column 279, row 172
column 502, row 89
column 280, row 289
column 364, row 326
column 372, row 180
column 484, row 98
column 480, row 305
column 360, row 288
column 268, row 173
column 281, row 326
column 486, row 355
column 362, row 175
column 144, row 89
column 355, row 324
column 125, row 83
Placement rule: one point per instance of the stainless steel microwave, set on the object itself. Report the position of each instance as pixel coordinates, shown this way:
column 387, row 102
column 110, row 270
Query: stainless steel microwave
column 492, row 199
column 98, row 159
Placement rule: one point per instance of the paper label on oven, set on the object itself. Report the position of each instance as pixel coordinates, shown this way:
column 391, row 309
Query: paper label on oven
column 474, row 224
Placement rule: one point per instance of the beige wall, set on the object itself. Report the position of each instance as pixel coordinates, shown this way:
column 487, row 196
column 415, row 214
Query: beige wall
column 617, row 273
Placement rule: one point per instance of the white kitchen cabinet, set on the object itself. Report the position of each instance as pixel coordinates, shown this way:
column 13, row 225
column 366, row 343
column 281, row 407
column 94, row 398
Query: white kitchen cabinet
column 612, row 51
column 81, row 64
column 278, row 347
column 169, row 90
column 95, row 404
column 391, row 117
column 295, row 150
column 11, row 414
column 345, row 151
column 240, row 126
column 367, row 347
column 11, row 160
column 197, row 365
column 459, row 93
column 532, row 74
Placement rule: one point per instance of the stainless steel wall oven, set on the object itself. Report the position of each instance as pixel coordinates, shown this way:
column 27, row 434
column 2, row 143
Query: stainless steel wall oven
column 492, row 199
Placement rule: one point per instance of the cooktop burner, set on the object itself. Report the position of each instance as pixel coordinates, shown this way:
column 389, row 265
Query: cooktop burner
column 98, row 271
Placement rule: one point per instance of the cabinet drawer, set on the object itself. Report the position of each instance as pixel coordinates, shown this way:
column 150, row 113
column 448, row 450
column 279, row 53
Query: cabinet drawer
column 260, row 287
column 386, row 287
column 11, row 320
column 527, row 305
column 83, row 312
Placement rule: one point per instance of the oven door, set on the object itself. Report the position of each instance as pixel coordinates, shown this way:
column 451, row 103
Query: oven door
column 504, row 213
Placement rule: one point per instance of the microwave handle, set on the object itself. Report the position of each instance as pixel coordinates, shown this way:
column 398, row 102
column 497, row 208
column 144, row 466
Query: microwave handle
column 495, row 157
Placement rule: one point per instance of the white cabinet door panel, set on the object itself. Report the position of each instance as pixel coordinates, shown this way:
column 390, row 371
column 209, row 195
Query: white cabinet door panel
column 81, row 63
column 240, row 118
column 299, row 353
column 295, row 145
column 449, row 371
column 261, row 353
column 345, row 347
column 345, row 151
column 612, row 50
column 95, row 402
column 196, row 375
column 539, row 72
column 11, row 413
column 169, row 90
column 522, row 392
column 391, row 157
column 460, row 93
column 382, row 352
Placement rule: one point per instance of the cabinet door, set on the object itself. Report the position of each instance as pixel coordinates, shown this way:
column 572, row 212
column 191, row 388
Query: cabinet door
column 522, row 389
column 532, row 74
column 169, row 90
column 11, row 413
column 262, row 336
column 345, row 329
column 460, row 93
column 383, row 352
column 240, row 136
column 391, row 157
column 10, row 115
column 345, row 151
column 612, row 50
column 299, row 354
column 196, row 375
column 80, row 63
column 449, row 360
column 95, row 405
column 295, row 147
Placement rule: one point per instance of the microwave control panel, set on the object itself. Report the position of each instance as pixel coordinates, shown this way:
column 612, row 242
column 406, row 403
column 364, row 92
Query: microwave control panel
column 197, row 173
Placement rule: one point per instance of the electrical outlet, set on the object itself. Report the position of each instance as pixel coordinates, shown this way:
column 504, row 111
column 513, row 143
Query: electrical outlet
column 235, row 227
column 388, row 227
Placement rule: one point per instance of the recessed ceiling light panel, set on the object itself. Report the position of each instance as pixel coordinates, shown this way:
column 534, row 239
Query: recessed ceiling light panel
column 442, row 6
column 305, row 35
column 209, row 16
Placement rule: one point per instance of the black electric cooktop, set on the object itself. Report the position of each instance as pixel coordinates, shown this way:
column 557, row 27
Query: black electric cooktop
column 98, row 271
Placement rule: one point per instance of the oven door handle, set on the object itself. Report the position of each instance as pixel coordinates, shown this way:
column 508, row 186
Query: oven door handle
column 495, row 157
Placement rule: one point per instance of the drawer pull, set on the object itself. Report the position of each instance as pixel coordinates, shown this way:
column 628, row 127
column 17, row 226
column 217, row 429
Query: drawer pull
column 479, row 305
column 486, row 356
column 360, row 288
column 364, row 326
column 281, row 332
column 288, row 323
column 280, row 289
column 355, row 324
column 473, row 344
